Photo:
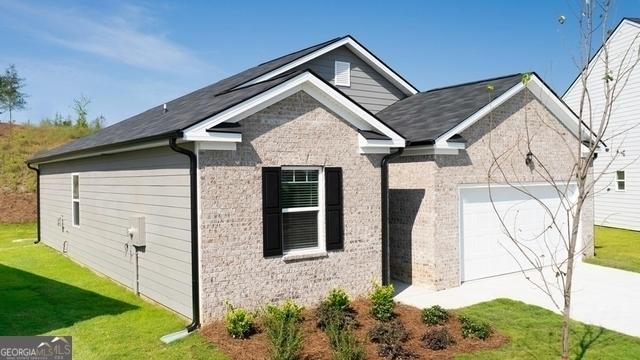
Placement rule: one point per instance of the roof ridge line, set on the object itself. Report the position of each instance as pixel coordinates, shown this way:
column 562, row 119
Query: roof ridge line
column 471, row 83
column 301, row 50
column 280, row 76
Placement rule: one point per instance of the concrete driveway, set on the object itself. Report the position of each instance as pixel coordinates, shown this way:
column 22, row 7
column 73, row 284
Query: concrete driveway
column 601, row 296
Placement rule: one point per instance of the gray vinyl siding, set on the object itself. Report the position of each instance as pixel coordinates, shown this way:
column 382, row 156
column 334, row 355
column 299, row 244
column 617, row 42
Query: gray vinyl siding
column 153, row 183
column 368, row 88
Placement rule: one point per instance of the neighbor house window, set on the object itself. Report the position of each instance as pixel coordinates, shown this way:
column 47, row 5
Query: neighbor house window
column 342, row 75
column 620, row 181
column 301, row 208
column 75, row 199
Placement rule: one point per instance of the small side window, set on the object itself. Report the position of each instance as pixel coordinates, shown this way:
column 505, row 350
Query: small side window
column 621, row 181
column 342, row 76
column 75, row 199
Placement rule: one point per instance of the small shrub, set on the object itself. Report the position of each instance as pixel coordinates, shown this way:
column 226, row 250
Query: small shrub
column 338, row 299
column 239, row 322
column 395, row 352
column 474, row 328
column 435, row 315
column 283, row 329
column 382, row 302
column 388, row 333
column 345, row 344
column 437, row 339
column 335, row 310
column 389, row 336
column 288, row 311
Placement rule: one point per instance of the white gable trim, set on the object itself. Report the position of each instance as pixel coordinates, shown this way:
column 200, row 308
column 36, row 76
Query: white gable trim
column 310, row 84
column 357, row 49
column 558, row 108
column 598, row 53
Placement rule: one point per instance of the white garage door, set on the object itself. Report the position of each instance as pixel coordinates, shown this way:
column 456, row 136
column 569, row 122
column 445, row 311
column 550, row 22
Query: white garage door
column 487, row 250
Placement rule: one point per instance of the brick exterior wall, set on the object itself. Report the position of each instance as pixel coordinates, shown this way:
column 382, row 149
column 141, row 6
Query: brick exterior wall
column 424, row 189
column 295, row 131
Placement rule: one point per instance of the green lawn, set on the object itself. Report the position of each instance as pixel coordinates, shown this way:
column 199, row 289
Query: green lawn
column 617, row 248
column 534, row 333
column 12, row 235
column 42, row 292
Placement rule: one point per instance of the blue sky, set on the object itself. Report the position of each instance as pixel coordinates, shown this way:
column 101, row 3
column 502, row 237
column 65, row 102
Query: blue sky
column 129, row 56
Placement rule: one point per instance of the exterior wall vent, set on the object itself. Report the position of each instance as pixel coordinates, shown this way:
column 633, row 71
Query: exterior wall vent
column 342, row 73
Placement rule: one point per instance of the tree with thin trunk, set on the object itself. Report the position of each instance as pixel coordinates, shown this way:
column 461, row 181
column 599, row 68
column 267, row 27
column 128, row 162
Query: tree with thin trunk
column 551, row 269
column 11, row 96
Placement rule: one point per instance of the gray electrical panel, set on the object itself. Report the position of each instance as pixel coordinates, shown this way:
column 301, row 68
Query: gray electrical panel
column 137, row 232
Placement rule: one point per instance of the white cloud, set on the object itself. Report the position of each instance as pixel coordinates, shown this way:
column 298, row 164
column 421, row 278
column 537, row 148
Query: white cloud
column 130, row 35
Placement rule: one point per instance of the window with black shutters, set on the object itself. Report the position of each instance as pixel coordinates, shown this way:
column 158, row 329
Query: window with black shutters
column 301, row 201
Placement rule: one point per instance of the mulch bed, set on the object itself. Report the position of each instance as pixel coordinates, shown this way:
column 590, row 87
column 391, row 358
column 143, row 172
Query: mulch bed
column 17, row 207
column 316, row 345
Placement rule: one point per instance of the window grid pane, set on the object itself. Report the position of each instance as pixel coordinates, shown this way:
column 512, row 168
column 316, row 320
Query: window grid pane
column 299, row 189
column 76, row 187
column 620, row 175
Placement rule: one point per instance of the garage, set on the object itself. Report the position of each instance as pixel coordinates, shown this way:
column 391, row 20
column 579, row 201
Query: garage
column 486, row 250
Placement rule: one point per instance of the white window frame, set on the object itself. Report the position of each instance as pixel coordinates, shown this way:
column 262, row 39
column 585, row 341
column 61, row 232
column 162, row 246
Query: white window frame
column 335, row 73
column 322, row 244
column 74, row 200
column 623, row 180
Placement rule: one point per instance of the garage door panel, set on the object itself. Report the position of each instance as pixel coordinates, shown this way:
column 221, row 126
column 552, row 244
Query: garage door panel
column 487, row 250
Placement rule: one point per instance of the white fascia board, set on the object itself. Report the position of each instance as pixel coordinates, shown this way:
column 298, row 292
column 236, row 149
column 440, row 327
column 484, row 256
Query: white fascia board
column 442, row 140
column 373, row 146
column 213, row 137
column 313, row 86
column 558, row 108
column 115, row 150
column 361, row 52
column 598, row 53
column 429, row 150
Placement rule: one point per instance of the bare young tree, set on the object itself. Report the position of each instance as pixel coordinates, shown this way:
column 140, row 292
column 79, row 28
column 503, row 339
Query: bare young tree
column 551, row 269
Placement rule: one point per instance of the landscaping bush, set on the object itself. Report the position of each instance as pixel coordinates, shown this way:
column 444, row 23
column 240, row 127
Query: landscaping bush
column 474, row 328
column 345, row 344
column 382, row 302
column 395, row 352
column 283, row 329
column 437, row 339
column 389, row 336
column 239, row 322
column 335, row 309
column 388, row 333
column 435, row 315
column 338, row 299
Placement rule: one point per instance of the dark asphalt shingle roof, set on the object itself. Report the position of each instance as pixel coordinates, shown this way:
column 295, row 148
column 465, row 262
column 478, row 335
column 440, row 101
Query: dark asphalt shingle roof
column 634, row 20
column 424, row 117
column 184, row 111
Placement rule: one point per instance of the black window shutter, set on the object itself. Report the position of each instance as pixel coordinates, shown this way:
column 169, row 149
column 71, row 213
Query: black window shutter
column 333, row 203
column 271, row 212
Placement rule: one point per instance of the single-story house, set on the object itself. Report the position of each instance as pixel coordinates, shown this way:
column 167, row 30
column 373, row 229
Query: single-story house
column 322, row 168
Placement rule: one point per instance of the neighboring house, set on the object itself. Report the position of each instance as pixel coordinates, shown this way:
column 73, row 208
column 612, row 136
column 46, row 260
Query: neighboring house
column 618, row 190
column 272, row 183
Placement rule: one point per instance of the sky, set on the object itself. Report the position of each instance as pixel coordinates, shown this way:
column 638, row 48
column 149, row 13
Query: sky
column 130, row 56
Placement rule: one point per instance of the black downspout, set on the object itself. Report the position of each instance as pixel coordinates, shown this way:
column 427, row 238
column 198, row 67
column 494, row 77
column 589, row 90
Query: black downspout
column 37, row 170
column 195, row 270
column 384, row 181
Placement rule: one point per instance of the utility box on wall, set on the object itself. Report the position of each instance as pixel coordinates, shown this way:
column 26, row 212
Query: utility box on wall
column 137, row 232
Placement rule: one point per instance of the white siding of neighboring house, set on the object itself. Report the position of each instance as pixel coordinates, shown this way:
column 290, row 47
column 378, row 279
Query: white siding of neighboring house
column 153, row 183
column 616, row 208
